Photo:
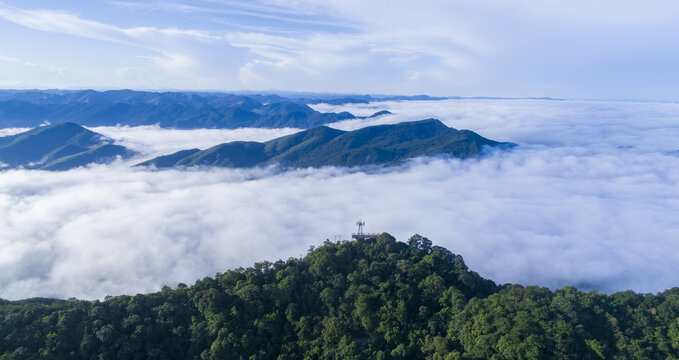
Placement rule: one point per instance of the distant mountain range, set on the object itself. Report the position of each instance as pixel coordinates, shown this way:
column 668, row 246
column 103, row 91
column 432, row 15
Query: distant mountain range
column 325, row 146
column 58, row 147
column 182, row 110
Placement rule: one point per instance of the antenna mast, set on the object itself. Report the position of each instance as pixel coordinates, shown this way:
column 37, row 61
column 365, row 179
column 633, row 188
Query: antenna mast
column 360, row 224
column 360, row 235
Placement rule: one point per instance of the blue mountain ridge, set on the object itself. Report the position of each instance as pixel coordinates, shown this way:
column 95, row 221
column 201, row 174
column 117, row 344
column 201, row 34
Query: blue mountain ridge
column 58, row 147
column 179, row 110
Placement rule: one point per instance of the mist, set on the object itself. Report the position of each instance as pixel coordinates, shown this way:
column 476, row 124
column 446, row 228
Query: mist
column 588, row 198
column 151, row 140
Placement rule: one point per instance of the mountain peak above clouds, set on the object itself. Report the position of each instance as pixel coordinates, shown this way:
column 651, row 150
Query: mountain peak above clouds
column 325, row 146
column 58, row 147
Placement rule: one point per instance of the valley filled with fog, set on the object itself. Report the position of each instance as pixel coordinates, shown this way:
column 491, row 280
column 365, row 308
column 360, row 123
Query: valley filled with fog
column 589, row 197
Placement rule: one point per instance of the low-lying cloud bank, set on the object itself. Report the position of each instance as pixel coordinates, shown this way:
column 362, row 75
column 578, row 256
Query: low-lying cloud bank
column 589, row 198
column 152, row 141
column 647, row 126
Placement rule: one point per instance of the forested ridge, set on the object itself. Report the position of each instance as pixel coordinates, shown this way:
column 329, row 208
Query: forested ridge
column 387, row 144
column 380, row 299
column 61, row 146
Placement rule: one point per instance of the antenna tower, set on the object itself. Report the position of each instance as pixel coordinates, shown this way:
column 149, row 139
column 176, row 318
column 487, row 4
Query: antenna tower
column 360, row 224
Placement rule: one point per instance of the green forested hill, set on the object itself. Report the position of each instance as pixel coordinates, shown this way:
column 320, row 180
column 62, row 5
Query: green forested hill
column 58, row 147
column 352, row 300
column 324, row 146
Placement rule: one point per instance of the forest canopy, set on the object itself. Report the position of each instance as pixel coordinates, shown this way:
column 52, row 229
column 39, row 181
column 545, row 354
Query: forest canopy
column 372, row 299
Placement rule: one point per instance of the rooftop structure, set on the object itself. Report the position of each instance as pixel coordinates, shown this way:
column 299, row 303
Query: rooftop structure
column 361, row 235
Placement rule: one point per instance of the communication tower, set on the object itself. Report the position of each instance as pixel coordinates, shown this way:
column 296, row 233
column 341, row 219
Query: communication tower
column 360, row 235
column 360, row 224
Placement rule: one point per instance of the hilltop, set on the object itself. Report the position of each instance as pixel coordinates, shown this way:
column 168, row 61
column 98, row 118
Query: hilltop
column 58, row 147
column 379, row 299
column 325, row 146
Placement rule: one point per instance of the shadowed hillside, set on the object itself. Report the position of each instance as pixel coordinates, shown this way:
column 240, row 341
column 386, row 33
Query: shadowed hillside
column 58, row 147
column 324, row 146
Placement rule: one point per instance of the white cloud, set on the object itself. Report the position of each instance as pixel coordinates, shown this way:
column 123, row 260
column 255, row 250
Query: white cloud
column 150, row 32
column 68, row 23
column 589, row 199
column 174, row 63
column 9, row 59
column 12, row 131
column 171, row 44
column 526, row 48
column 271, row 12
column 248, row 77
column 645, row 126
column 57, row 21
column 323, row 53
column 409, row 38
column 152, row 141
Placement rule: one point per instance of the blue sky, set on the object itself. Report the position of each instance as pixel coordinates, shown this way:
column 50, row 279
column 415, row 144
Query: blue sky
column 576, row 49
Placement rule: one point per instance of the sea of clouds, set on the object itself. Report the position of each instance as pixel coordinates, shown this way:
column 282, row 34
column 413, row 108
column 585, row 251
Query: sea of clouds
column 590, row 198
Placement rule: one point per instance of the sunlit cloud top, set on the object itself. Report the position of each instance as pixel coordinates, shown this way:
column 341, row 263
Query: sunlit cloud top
column 578, row 49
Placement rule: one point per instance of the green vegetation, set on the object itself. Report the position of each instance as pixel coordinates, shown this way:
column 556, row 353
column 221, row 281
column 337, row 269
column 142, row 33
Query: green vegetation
column 58, row 147
column 324, row 146
column 379, row 299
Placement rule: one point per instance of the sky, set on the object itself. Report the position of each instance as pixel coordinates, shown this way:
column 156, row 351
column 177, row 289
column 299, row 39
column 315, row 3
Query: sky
column 580, row 49
column 589, row 198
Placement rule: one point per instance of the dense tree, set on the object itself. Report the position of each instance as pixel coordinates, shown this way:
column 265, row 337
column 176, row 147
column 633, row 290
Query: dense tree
column 380, row 299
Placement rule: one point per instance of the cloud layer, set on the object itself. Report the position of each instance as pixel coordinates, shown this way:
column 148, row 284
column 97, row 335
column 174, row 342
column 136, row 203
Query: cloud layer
column 589, row 198
column 151, row 141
